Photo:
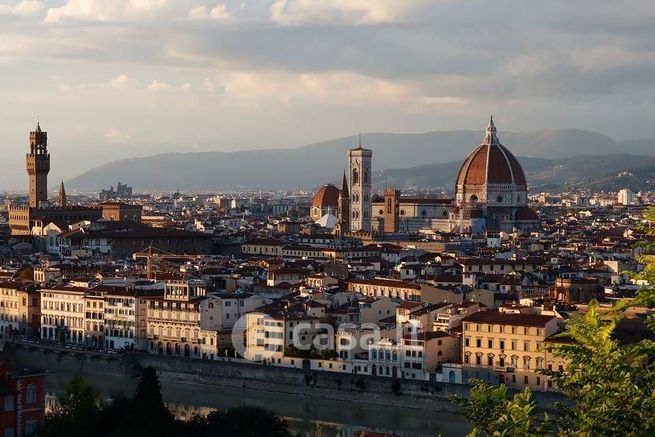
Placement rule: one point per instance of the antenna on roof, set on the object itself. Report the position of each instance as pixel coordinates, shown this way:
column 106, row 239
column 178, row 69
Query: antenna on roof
column 360, row 139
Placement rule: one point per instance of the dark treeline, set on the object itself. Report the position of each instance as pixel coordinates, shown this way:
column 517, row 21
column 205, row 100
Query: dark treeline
column 81, row 412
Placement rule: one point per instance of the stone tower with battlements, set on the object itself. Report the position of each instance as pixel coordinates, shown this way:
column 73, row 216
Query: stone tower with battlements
column 38, row 167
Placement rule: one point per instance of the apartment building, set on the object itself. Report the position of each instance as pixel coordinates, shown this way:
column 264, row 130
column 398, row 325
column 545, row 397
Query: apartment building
column 94, row 319
column 423, row 352
column 19, row 308
column 412, row 356
column 63, row 314
column 173, row 321
column 506, row 347
column 272, row 334
column 120, row 318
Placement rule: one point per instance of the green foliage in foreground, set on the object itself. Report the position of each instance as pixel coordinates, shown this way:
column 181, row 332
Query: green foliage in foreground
column 81, row 412
column 608, row 387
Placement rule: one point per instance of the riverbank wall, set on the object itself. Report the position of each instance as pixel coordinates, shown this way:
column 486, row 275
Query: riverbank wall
column 239, row 375
column 234, row 374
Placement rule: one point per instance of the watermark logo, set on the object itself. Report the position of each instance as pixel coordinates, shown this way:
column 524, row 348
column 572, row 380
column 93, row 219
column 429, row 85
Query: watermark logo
column 260, row 337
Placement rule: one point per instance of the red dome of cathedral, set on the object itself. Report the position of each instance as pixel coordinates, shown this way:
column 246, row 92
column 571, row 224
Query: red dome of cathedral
column 491, row 163
column 326, row 197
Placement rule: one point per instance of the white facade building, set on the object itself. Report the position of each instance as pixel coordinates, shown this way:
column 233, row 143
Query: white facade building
column 626, row 197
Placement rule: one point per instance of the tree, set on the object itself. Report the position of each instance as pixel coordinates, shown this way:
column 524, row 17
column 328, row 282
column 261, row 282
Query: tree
column 491, row 411
column 149, row 411
column 77, row 411
column 395, row 387
column 608, row 387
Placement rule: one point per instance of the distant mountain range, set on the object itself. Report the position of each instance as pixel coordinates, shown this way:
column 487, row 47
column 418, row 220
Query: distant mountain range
column 549, row 158
column 601, row 173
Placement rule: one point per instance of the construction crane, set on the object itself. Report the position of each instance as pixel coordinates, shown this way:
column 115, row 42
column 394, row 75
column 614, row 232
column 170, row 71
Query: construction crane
column 152, row 253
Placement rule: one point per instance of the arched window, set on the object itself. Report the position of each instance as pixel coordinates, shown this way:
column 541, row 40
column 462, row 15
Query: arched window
column 355, row 176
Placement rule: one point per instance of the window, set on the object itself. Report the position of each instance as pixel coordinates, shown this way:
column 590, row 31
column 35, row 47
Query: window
column 31, row 393
column 9, row 402
column 30, row 426
column 490, row 343
column 9, row 432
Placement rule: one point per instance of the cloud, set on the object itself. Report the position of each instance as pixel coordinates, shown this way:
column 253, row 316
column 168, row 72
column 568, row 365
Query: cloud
column 254, row 89
column 22, row 8
column 284, row 72
column 103, row 10
column 157, row 86
column 122, row 82
column 303, row 12
column 125, row 83
column 218, row 12
column 115, row 135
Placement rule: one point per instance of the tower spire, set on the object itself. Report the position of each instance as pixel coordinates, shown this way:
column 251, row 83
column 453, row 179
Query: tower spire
column 491, row 137
column 62, row 194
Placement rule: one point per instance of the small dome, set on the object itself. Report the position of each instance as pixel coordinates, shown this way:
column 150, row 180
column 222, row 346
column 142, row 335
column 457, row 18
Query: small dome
column 326, row 197
column 491, row 163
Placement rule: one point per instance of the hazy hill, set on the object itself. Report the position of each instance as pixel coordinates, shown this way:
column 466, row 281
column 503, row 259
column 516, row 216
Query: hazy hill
column 319, row 163
column 606, row 172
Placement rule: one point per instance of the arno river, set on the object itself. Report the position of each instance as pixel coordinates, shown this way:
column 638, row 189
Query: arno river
column 308, row 415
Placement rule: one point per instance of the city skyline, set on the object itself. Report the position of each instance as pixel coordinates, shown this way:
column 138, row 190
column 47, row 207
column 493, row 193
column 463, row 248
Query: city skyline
column 135, row 78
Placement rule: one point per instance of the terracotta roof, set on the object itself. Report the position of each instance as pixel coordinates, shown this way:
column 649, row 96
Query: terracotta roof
column 526, row 214
column 327, row 196
column 426, row 335
column 491, row 163
column 494, row 317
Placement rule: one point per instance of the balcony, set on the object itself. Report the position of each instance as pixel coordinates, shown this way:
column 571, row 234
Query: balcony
column 504, row 369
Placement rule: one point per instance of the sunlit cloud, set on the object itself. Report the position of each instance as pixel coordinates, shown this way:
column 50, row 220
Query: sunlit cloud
column 22, row 8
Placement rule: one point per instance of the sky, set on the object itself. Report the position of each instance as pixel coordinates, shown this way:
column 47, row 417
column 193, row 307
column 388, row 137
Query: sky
column 110, row 79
